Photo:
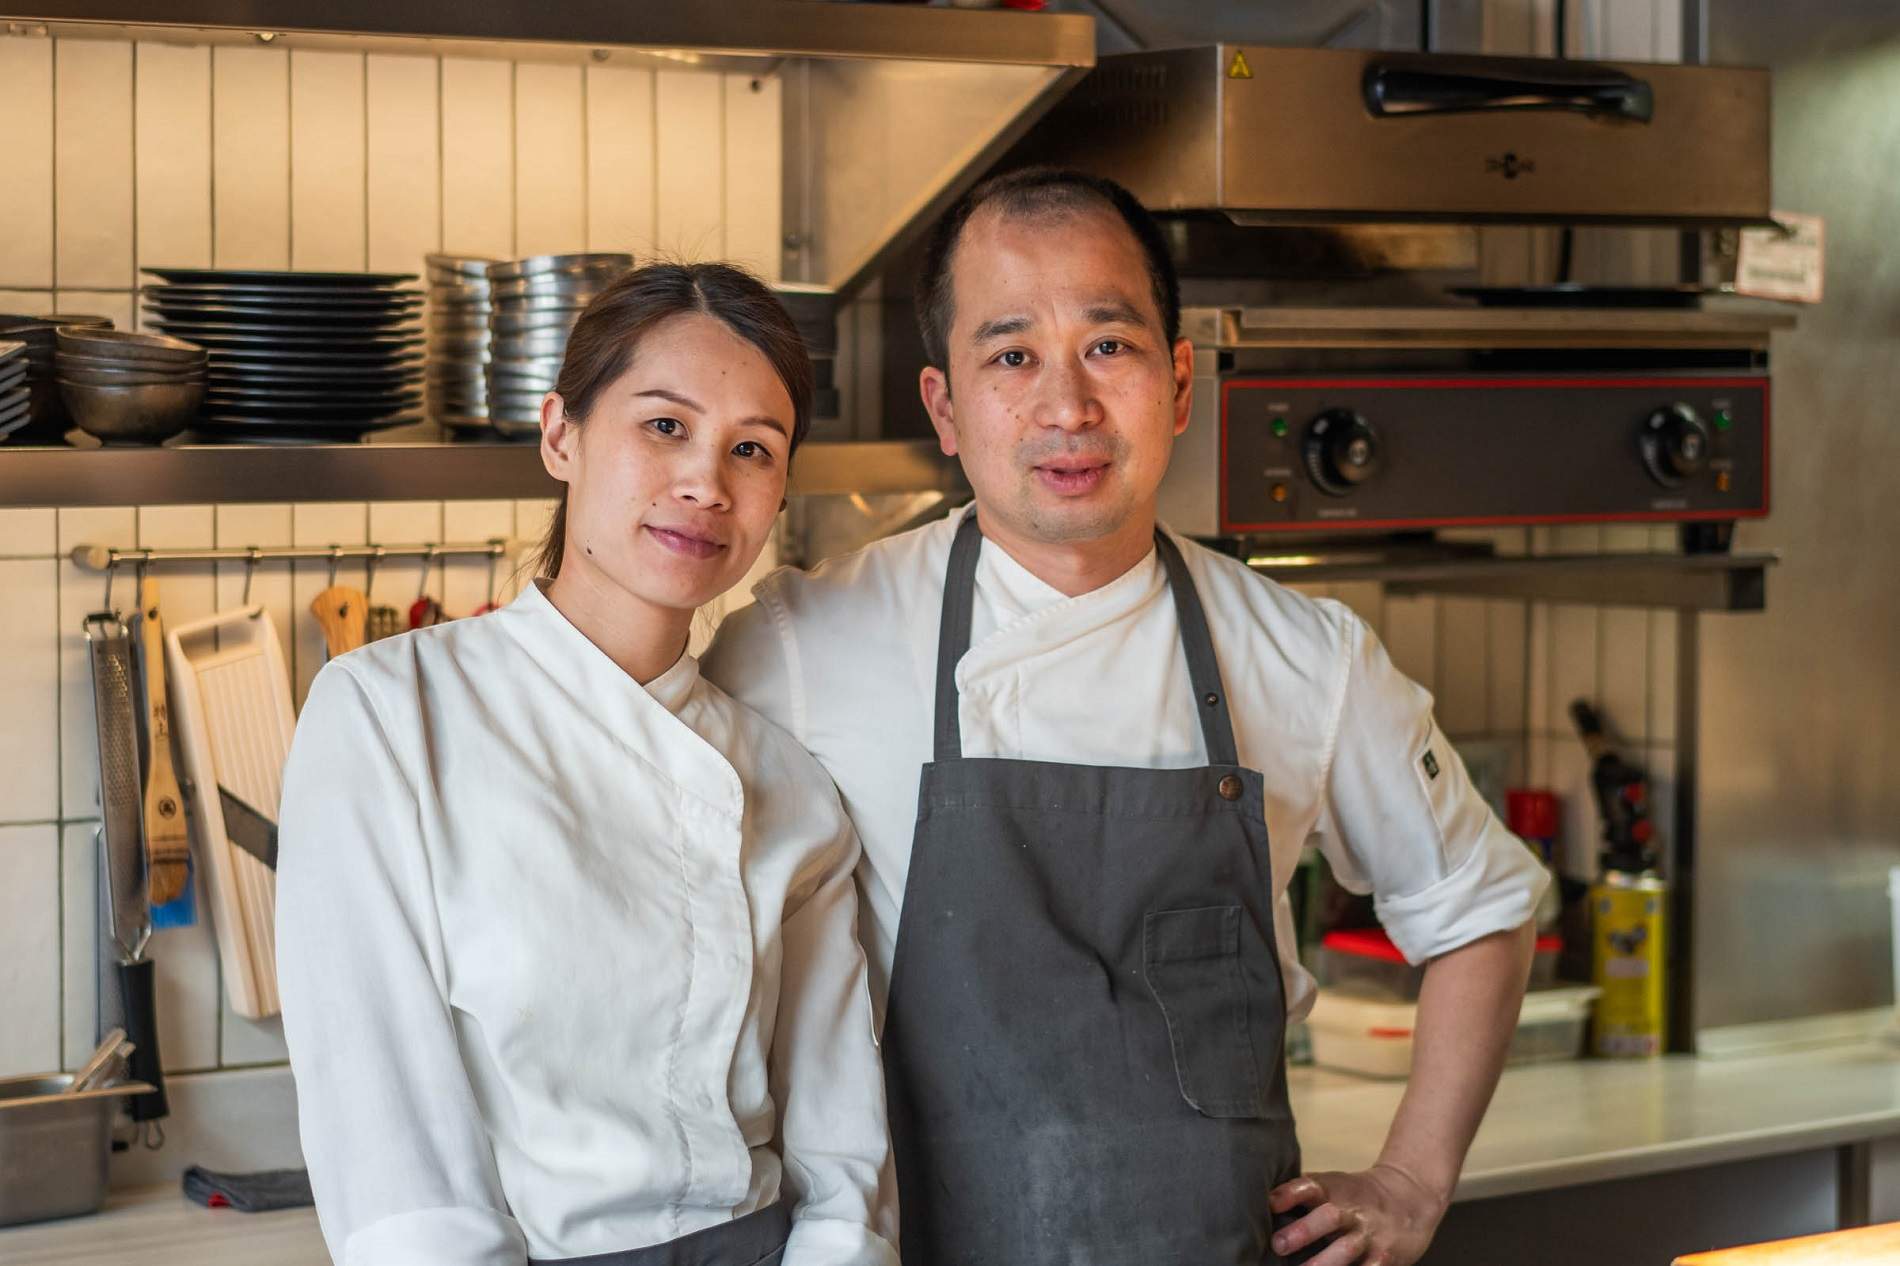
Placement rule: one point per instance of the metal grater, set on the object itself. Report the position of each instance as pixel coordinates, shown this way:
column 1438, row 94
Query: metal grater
column 121, row 800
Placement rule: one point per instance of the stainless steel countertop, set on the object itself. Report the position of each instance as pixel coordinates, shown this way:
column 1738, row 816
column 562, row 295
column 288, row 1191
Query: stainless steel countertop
column 1559, row 1125
column 1556, row 1125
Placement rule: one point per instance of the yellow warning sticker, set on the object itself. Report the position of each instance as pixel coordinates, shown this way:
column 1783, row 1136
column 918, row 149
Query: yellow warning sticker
column 1238, row 68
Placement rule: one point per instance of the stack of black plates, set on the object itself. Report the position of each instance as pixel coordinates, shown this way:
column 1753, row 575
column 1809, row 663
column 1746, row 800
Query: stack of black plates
column 297, row 356
column 47, row 421
column 459, row 307
column 15, row 402
column 537, row 302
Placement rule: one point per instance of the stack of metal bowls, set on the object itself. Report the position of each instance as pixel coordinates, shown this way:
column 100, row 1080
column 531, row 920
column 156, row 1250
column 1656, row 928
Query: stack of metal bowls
column 456, row 321
column 129, row 388
column 536, row 302
column 16, row 401
column 49, row 420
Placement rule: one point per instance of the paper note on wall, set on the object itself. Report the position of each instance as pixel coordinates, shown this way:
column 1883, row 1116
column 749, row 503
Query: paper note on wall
column 1783, row 262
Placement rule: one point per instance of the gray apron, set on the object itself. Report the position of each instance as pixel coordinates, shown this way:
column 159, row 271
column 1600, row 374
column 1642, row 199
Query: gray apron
column 757, row 1239
column 1083, row 1047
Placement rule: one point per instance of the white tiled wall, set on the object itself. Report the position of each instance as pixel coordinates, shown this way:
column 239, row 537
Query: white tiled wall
column 125, row 155
column 1507, row 671
column 49, row 802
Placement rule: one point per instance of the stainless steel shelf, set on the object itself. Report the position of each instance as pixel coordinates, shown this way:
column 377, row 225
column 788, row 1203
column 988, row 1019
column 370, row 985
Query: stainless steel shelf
column 1720, row 324
column 1683, row 582
column 685, row 35
column 189, row 475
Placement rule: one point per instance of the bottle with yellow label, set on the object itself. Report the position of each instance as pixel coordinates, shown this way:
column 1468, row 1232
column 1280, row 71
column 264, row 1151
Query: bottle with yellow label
column 1631, row 916
column 1629, row 906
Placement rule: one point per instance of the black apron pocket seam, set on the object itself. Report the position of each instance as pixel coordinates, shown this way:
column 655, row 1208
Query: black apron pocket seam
column 1192, row 961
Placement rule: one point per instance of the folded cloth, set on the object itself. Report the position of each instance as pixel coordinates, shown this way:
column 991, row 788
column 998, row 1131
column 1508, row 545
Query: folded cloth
column 249, row 1193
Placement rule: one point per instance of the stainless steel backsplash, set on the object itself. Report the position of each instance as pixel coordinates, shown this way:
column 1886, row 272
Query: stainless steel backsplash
column 1799, row 800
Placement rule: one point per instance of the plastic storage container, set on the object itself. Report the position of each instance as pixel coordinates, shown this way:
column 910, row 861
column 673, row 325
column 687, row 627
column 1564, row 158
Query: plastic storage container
column 1364, row 961
column 1373, row 1036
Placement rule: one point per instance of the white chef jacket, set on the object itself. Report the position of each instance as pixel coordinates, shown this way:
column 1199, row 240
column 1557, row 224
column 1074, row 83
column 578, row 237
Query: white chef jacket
column 568, row 965
column 845, row 657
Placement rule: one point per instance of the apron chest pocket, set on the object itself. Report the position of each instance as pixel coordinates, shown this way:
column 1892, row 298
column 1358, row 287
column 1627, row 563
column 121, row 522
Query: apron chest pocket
column 1192, row 961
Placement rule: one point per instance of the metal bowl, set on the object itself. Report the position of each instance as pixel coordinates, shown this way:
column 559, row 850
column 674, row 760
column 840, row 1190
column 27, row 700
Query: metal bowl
column 458, row 270
column 125, row 346
column 125, row 377
column 170, row 369
column 598, row 262
column 143, row 413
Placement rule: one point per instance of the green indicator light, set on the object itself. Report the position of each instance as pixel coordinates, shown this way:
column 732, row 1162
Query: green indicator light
column 1722, row 420
column 1279, row 428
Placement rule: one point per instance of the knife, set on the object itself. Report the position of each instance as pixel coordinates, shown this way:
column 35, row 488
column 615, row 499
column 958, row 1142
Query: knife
column 250, row 830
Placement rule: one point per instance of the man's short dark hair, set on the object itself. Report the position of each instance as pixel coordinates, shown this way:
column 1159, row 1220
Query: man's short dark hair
column 1034, row 192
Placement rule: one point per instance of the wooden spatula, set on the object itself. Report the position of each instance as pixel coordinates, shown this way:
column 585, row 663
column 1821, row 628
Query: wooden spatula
column 167, row 839
column 343, row 613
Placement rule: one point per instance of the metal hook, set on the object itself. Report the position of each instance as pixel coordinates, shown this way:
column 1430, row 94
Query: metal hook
column 369, row 568
column 494, row 569
column 336, row 556
column 428, row 561
column 112, row 567
column 252, row 557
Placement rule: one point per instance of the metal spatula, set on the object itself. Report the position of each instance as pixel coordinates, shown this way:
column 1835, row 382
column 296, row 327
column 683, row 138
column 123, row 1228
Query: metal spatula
column 122, row 847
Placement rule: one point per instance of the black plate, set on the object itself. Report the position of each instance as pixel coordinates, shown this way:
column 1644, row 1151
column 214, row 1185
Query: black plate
column 294, row 311
column 317, row 412
column 316, row 378
column 285, row 294
column 284, row 320
column 340, row 362
column 343, row 343
column 346, row 405
column 228, row 426
column 266, row 277
column 314, row 296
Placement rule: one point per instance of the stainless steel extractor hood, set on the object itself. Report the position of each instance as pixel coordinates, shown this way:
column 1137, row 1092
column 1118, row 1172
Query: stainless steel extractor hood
column 890, row 110
column 1287, row 136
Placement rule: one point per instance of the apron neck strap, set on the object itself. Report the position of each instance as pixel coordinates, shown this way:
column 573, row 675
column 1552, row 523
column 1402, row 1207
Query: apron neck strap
column 953, row 641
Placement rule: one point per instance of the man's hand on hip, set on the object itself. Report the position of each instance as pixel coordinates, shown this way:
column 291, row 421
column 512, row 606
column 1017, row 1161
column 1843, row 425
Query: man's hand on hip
column 1379, row 1217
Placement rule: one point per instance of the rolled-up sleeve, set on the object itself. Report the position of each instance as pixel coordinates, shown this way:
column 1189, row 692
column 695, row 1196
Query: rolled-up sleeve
column 828, row 1080
column 1403, row 820
column 399, row 1160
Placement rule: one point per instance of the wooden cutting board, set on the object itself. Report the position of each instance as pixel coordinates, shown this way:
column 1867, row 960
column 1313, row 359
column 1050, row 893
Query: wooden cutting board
column 1868, row 1245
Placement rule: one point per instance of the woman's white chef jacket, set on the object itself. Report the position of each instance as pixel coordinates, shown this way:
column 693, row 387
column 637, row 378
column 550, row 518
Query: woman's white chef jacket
column 567, row 964
column 844, row 657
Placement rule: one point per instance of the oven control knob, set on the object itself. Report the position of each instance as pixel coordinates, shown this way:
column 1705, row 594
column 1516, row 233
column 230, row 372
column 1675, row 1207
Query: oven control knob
column 1675, row 444
column 1341, row 451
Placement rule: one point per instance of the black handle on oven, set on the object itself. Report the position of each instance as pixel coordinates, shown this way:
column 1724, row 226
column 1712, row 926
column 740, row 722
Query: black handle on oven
column 1465, row 85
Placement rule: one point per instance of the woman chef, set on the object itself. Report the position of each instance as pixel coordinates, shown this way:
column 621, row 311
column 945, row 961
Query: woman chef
column 566, row 936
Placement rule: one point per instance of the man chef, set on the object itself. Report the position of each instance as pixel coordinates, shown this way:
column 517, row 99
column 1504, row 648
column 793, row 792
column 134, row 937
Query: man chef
column 1079, row 933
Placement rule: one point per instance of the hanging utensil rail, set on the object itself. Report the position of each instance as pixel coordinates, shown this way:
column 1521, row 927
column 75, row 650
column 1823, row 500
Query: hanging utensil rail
column 108, row 558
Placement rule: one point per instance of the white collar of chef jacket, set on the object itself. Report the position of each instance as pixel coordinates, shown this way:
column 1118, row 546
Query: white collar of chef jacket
column 656, row 724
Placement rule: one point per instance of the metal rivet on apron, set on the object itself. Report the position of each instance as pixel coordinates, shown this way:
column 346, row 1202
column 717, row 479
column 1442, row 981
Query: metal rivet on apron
column 1210, row 699
column 1230, row 787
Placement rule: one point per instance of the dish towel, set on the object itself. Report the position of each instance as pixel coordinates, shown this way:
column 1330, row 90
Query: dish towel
column 249, row 1193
